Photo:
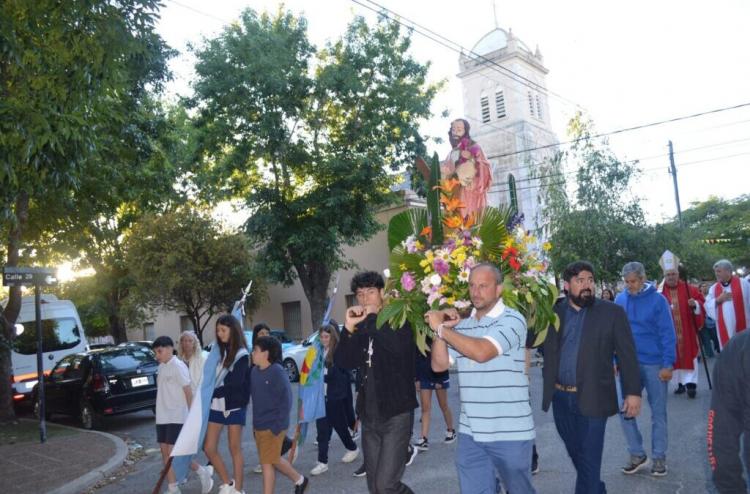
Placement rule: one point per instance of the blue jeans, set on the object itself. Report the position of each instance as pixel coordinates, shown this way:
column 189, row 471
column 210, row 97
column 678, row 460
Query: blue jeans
column 656, row 389
column 584, row 440
column 476, row 463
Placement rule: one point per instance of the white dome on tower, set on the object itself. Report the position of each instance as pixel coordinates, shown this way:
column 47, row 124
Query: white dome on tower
column 495, row 40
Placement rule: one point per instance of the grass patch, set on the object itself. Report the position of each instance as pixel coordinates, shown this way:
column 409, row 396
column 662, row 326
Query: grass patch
column 25, row 431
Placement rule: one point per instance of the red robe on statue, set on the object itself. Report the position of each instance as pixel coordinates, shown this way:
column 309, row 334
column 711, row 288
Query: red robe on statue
column 686, row 321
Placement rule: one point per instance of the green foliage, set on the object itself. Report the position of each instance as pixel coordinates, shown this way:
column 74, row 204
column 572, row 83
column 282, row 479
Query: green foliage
column 89, row 296
column 309, row 139
column 182, row 261
column 409, row 222
column 433, row 201
column 492, row 231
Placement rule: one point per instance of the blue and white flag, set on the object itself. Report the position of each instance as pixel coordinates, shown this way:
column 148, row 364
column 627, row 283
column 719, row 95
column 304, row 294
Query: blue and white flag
column 193, row 432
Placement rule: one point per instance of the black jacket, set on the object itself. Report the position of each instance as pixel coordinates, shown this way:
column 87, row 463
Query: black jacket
column 236, row 388
column 729, row 415
column 605, row 332
column 393, row 364
column 337, row 381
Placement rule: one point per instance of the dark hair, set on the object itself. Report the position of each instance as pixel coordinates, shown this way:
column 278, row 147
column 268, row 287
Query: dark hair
column 367, row 279
column 332, row 329
column 575, row 268
column 257, row 329
column 236, row 339
column 467, row 132
column 611, row 294
column 162, row 341
column 272, row 346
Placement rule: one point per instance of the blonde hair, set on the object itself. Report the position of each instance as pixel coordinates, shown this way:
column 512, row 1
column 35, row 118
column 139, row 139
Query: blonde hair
column 196, row 345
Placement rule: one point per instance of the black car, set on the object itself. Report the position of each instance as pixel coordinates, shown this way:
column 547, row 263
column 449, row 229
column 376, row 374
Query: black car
column 102, row 382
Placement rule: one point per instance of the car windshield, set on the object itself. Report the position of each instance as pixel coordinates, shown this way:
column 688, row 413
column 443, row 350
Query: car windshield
column 125, row 359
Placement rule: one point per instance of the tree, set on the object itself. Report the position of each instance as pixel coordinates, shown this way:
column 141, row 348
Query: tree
column 311, row 141
column 602, row 222
column 183, row 262
column 65, row 68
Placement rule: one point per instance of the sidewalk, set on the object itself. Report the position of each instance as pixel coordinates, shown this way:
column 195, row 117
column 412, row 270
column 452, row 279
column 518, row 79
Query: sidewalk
column 68, row 463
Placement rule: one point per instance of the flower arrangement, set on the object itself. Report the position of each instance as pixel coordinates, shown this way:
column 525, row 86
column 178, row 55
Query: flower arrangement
column 434, row 249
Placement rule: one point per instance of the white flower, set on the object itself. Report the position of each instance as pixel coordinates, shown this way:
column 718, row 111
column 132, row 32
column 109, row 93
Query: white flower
column 435, row 280
column 432, row 297
column 426, row 287
column 461, row 304
column 387, row 273
column 477, row 242
column 463, row 276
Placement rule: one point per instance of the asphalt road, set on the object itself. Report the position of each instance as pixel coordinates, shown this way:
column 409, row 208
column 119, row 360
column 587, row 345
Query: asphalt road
column 434, row 471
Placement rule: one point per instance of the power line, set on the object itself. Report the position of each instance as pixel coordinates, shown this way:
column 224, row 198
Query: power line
column 205, row 14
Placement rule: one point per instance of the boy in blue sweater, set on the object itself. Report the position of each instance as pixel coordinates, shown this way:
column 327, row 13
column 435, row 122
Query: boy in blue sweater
column 653, row 331
column 272, row 402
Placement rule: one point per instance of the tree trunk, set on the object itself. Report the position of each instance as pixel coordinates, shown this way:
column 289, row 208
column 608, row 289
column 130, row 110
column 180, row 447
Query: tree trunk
column 10, row 314
column 117, row 327
column 315, row 278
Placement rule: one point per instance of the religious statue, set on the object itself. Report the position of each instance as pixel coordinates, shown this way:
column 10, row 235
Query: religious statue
column 467, row 163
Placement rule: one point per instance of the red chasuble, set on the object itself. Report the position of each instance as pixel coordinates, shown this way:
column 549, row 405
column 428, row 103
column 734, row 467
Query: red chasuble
column 686, row 322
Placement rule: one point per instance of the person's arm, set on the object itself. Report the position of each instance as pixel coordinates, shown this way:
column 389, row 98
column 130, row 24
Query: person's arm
column 477, row 349
column 188, row 394
column 627, row 361
column 665, row 325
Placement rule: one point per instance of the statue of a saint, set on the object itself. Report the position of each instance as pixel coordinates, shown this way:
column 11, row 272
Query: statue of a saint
column 467, row 163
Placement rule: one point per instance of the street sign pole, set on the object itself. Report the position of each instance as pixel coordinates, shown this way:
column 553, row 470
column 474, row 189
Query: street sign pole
column 36, row 277
column 40, row 363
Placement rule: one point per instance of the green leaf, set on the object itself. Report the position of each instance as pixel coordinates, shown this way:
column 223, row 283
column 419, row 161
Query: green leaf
column 392, row 312
column 404, row 224
column 492, row 231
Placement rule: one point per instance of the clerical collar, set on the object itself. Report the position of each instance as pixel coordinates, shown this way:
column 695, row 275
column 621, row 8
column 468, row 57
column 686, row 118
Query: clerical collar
column 726, row 283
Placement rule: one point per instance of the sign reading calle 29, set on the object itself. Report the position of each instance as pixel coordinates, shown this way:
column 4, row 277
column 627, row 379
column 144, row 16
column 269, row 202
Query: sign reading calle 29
column 13, row 276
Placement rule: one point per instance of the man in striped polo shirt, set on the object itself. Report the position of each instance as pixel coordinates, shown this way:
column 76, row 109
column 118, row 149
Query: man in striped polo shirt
column 496, row 427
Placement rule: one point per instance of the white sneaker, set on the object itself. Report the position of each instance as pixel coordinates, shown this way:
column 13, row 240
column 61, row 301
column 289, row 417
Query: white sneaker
column 227, row 488
column 205, row 475
column 319, row 468
column 258, row 468
column 173, row 490
column 350, row 456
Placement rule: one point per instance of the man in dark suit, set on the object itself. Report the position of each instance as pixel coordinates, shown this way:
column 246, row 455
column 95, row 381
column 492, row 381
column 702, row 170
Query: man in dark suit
column 579, row 378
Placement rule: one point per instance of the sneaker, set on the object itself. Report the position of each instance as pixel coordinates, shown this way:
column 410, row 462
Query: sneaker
column 301, row 488
column 411, row 454
column 360, row 472
column 635, row 464
column 258, row 468
column 423, row 444
column 691, row 391
column 680, row 389
column 354, row 434
column 227, row 488
column 450, row 436
column 173, row 489
column 659, row 467
column 319, row 468
column 350, row 456
column 205, row 475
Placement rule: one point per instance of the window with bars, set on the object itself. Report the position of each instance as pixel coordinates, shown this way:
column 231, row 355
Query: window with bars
column 531, row 104
column 484, row 104
column 500, row 103
column 513, row 193
column 538, row 107
column 292, row 312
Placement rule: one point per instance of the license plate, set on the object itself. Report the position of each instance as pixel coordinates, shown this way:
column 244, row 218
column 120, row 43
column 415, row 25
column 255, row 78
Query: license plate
column 139, row 381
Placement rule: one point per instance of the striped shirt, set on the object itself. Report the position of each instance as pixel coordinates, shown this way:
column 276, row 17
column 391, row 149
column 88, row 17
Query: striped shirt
column 495, row 394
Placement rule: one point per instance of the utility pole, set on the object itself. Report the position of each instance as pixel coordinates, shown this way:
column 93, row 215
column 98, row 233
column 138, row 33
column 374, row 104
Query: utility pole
column 673, row 171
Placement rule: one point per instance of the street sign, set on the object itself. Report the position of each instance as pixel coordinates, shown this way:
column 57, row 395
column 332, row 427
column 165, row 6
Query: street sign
column 13, row 276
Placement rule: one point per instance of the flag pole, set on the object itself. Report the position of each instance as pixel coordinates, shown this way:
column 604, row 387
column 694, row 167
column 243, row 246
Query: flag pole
column 697, row 337
column 164, row 471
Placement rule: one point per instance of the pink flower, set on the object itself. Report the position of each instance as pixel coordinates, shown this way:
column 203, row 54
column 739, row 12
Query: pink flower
column 441, row 266
column 408, row 282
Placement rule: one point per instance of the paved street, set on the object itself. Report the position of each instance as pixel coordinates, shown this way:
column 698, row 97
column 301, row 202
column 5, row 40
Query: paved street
column 434, row 471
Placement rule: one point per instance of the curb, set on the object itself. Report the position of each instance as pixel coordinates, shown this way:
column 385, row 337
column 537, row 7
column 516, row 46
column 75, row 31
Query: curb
column 88, row 480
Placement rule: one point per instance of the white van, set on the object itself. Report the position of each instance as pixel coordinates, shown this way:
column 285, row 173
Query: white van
column 62, row 335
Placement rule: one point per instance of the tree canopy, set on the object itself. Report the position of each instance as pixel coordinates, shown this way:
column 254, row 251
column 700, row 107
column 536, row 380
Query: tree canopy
column 310, row 139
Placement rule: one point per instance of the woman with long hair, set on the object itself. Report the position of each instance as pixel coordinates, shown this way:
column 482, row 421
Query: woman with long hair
column 229, row 402
column 336, row 381
column 189, row 351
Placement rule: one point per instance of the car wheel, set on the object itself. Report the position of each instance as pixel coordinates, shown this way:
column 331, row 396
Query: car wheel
column 90, row 419
column 47, row 413
column 291, row 370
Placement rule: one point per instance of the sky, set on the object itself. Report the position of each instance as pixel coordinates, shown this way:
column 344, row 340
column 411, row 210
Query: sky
column 623, row 63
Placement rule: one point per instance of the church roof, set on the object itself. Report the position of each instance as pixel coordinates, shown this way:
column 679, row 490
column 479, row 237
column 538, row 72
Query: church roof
column 497, row 39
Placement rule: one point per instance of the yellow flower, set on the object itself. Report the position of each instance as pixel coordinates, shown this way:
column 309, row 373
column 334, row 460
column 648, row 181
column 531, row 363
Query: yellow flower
column 450, row 300
column 547, row 246
column 418, row 245
column 402, row 267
